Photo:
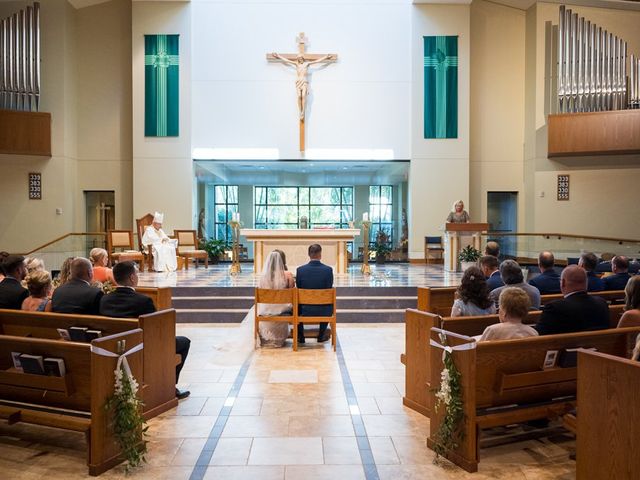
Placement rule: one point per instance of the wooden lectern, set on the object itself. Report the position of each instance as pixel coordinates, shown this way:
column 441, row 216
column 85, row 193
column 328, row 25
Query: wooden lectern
column 458, row 236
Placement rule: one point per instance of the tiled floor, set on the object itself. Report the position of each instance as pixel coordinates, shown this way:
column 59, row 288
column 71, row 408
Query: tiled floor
column 389, row 275
column 291, row 420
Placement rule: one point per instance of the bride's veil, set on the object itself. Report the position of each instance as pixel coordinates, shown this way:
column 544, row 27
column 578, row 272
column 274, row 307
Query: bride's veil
column 238, row 347
column 273, row 273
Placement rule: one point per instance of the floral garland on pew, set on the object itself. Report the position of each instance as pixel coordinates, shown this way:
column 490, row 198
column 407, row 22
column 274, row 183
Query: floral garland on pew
column 129, row 426
column 448, row 395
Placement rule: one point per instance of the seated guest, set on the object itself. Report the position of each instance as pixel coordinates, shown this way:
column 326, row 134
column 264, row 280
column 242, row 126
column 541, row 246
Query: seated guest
column 39, row 286
column 34, row 265
column 125, row 302
column 12, row 293
column 589, row 261
column 472, row 295
column 634, row 267
column 65, row 272
column 99, row 259
column 548, row 281
column 514, row 307
column 492, row 248
column 489, row 265
column 77, row 295
column 162, row 247
column 3, row 255
column 620, row 277
column 636, row 351
column 511, row 275
column 631, row 315
column 577, row 311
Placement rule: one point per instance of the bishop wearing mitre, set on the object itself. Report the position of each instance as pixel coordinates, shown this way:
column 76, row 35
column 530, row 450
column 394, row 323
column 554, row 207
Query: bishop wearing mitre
column 162, row 247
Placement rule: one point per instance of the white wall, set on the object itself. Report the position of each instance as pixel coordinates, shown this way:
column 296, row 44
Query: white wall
column 162, row 167
column 241, row 100
column 439, row 173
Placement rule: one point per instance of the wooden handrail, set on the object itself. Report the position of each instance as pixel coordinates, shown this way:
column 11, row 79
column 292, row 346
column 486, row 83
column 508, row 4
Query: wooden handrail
column 560, row 235
column 74, row 234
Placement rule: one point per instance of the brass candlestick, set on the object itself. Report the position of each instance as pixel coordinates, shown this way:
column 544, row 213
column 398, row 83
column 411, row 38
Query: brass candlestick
column 365, row 269
column 235, row 248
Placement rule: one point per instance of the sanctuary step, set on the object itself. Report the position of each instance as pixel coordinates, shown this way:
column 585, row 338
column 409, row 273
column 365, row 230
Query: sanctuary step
column 231, row 304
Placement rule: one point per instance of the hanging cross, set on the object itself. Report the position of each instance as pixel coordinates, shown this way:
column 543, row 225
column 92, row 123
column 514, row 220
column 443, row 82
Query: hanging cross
column 101, row 211
column 441, row 63
column 301, row 62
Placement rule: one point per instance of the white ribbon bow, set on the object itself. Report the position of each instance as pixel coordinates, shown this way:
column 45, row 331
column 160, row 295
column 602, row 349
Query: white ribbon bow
column 448, row 349
column 122, row 358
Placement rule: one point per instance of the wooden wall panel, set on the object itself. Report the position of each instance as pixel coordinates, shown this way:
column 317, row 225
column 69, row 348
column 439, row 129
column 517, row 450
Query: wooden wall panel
column 25, row 133
column 594, row 133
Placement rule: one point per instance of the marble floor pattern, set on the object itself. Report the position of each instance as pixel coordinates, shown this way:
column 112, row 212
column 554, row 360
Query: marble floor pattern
column 388, row 275
column 289, row 421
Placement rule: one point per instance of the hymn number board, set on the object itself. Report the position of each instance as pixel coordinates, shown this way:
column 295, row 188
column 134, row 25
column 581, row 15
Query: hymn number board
column 563, row 187
column 35, row 186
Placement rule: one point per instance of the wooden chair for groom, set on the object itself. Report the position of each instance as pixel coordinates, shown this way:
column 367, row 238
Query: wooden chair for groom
column 318, row 297
column 271, row 297
column 188, row 248
column 123, row 240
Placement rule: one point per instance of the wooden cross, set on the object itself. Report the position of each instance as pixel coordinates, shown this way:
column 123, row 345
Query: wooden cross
column 301, row 62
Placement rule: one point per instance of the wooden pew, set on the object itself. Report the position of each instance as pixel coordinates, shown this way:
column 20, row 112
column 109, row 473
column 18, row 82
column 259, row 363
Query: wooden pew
column 159, row 359
column 608, row 420
column 417, row 358
column 503, row 382
column 439, row 300
column 73, row 402
column 161, row 296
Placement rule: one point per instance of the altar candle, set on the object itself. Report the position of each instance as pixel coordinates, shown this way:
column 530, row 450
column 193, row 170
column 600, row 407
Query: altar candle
column 365, row 217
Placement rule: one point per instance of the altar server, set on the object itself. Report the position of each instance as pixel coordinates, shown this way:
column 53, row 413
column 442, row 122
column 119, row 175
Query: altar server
column 163, row 247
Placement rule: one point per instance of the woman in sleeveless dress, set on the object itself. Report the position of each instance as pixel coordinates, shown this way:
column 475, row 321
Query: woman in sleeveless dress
column 39, row 285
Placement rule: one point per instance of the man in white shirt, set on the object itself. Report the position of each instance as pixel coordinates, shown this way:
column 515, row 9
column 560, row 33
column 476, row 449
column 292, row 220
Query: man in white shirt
column 163, row 248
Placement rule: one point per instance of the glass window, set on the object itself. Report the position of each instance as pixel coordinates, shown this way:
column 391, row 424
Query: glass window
column 282, row 207
column 226, row 204
column 381, row 212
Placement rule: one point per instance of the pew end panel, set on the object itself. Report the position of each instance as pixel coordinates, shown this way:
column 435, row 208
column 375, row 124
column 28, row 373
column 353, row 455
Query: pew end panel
column 608, row 419
column 438, row 300
column 103, row 452
column 466, row 453
column 159, row 330
column 416, row 358
column 161, row 296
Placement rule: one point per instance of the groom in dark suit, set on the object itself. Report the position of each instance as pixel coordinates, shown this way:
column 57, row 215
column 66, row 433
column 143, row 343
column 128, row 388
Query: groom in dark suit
column 314, row 276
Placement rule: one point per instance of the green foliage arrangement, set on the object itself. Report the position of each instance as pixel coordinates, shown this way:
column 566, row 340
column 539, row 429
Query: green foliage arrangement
column 129, row 427
column 449, row 396
column 215, row 248
column 469, row 254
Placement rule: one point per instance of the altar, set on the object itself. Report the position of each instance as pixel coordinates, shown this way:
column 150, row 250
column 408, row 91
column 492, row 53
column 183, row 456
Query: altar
column 295, row 243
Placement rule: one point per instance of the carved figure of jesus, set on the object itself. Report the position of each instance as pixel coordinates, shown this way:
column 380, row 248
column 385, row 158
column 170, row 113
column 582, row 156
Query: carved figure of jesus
column 302, row 83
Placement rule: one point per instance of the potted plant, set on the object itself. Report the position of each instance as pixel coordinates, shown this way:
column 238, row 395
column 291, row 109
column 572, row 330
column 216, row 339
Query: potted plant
column 468, row 257
column 382, row 251
column 215, row 248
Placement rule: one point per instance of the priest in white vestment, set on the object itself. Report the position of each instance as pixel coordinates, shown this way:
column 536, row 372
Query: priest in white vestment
column 163, row 248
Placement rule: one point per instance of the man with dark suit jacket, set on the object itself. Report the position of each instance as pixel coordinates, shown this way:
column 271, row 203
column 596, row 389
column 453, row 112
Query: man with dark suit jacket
column 577, row 311
column 620, row 277
column 589, row 262
column 489, row 265
column 125, row 302
column 314, row 276
column 548, row 282
column 12, row 293
column 77, row 295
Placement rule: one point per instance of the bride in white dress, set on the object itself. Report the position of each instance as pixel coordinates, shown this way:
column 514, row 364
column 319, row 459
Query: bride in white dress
column 275, row 277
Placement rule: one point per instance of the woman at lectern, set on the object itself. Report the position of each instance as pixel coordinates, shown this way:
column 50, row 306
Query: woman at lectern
column 458, row 214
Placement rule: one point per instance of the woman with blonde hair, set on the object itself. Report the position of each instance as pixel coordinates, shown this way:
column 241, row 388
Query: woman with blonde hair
column 34, row 264
column 514, row 308
column 631, row 315
column 100, row 259
column 39, row 286
column 65, row 272
column 458, row 214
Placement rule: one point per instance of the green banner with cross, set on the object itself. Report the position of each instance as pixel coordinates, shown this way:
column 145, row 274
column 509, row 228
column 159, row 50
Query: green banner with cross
column 441, row 87
column 161, row 82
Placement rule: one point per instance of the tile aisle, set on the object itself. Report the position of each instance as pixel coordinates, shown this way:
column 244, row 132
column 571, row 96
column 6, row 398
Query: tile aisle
column 290, row 420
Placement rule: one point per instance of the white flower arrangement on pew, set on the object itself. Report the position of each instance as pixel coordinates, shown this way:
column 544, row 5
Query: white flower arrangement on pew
column 129, row 426
column 449, row 396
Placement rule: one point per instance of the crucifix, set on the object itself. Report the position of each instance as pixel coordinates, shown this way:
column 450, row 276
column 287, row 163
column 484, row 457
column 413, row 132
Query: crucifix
column 301, row 62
